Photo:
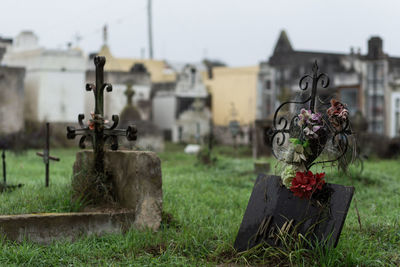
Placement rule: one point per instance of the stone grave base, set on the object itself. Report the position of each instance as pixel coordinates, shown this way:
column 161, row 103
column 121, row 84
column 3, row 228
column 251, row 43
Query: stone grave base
column 136, row 177
column 45, row 228
column 137, row 182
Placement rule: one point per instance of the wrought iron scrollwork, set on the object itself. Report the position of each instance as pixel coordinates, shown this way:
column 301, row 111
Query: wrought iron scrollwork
column 97, row 131
column 110, row 133
column 285, row 127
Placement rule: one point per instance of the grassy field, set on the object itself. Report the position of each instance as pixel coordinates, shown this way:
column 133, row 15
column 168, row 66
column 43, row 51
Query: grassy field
column 203, row 209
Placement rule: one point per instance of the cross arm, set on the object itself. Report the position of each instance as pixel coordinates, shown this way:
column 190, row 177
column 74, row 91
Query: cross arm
column 40, row 154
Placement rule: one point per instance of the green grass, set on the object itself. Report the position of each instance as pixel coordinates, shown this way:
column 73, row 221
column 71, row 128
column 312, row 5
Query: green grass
column 203, row 209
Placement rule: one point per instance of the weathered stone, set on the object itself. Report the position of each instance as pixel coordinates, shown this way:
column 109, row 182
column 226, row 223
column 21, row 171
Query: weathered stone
column 45, row 228
column 11, row 99
column 137, row 182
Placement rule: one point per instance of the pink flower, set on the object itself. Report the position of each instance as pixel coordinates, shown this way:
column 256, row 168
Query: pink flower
column 337, row 113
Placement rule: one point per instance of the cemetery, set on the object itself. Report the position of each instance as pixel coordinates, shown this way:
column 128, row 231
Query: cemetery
column 116, row 204
column 189, row 145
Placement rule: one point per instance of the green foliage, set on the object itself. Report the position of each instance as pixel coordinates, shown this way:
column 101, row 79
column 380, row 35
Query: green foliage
column 203, row 209
column 91, row 188
column 206, row 157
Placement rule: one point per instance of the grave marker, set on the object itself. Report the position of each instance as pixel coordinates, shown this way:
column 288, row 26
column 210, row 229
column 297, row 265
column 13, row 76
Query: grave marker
column 46, row 154
column 4, row 186
column 300, row 202
column 234, row 126
column 97, row 130
column 3, row 157
column 273, row 208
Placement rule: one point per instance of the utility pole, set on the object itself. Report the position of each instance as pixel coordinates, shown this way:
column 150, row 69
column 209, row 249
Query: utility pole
column 149, row 18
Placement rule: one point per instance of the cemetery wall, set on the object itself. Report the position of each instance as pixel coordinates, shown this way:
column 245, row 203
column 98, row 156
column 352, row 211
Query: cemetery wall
column 11, row 99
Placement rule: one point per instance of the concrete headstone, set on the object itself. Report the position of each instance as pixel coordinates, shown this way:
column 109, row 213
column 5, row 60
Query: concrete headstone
column 136, row 177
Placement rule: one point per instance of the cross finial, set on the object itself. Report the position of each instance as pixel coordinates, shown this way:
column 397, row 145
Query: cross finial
column 105, row 34
column 129, row 92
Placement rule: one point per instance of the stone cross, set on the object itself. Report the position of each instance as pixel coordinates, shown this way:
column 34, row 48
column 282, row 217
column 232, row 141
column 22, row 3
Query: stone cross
column 129, row 93
column 97, row 130
column 46, row 154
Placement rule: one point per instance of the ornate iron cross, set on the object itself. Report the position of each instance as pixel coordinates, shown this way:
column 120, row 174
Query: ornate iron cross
column 286, row 126
column 97, row 131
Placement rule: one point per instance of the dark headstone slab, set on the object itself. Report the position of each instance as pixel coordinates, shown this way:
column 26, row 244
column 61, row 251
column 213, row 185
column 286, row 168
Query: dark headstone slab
column 273, row 208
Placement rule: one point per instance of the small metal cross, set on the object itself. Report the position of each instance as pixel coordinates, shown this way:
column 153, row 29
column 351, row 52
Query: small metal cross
column 46, row 154
column 4, row 187
column 97, row 130
column 3, row 156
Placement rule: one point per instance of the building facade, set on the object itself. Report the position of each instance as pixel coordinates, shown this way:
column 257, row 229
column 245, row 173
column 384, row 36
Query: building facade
column 12, row 116
column 368, row 83
column 234, row 99
column 54, row 80
column 183, row 112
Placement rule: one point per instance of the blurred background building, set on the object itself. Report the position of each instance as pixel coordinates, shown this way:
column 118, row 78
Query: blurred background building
column 184, row 101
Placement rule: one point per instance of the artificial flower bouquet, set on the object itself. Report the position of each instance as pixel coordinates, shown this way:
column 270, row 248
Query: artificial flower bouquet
column 307, row 143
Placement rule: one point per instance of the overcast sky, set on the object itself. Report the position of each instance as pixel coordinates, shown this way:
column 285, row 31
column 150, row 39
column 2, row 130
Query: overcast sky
column 237, row 32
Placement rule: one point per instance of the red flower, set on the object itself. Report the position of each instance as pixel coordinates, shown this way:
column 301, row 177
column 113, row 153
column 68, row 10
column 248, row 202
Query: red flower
column 337, row 109
column 306, row 183
column 91, row 122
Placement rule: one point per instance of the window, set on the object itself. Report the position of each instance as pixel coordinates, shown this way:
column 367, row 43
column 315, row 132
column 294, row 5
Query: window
column 396, row 113
column 350, row 97
column 180, row 133
column 268, row 84
column 268, row 105
column 376, row 106
column 193, row 76
column 377, row 127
